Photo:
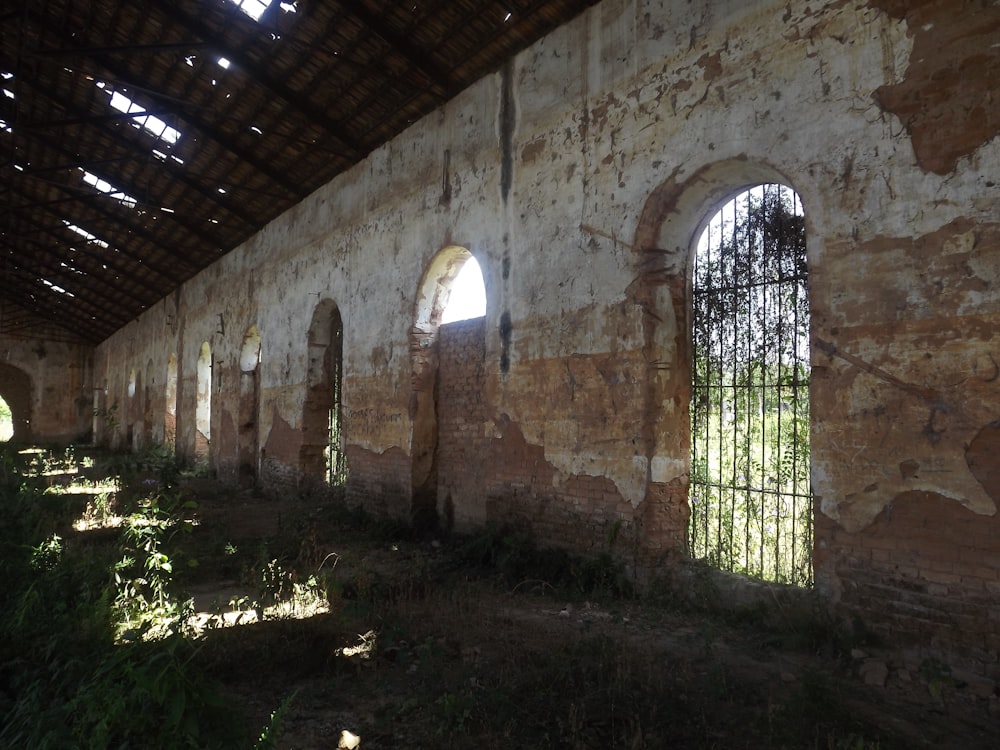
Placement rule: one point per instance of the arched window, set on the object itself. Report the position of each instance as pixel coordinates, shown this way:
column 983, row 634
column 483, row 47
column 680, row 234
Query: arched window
column 170, row 408
column 322, row 453
column 6, row 422
column 249, row 404
column 467, row 296
column 751, row 507
column 438, row 286
column 203, row 403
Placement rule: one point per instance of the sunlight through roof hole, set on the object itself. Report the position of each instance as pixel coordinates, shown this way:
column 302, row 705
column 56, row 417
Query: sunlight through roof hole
column 108, row 189
column 150, row 123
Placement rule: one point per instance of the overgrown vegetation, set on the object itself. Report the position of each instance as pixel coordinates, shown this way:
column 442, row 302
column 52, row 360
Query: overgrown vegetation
column 92, row 648
column 312, row 623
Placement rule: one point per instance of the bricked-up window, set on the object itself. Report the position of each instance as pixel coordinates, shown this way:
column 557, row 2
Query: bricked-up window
column 437, row 287
column 170, row 410
column 751, row 507
column 203, row 403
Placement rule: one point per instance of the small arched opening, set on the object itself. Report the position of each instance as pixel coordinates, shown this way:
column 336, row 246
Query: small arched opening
column 249, row 404
column 15, row 390
column 203, row 404
column 6, row 422
column 170, row 407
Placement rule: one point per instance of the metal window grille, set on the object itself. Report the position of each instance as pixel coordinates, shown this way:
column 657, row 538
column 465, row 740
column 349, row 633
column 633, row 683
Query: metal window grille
column 336, row 458
column 751, row 504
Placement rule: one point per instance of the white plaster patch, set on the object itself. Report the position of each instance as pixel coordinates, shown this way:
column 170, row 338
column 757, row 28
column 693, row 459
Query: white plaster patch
column 665, row 469
column 629, row 478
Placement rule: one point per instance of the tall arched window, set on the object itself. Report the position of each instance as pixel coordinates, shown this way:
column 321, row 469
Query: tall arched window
column 170, row 398
column 322, row 453
column 249, row 404
column 751, row 507
column 203, row 403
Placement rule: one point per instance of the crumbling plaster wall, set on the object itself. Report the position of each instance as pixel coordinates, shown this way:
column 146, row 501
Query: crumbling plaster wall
column 48, row 385
column 579, row 177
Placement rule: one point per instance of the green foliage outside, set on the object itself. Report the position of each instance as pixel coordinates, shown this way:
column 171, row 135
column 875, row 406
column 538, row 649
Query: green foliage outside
column 750, row 496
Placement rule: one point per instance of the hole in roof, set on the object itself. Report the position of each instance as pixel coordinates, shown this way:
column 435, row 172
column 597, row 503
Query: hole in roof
column 85, row 234
column 223, row 63
column 56, row 288
column 507, row 17
column 150, row 123
column 253, row 8
column 108, row 189
column 256, row 8
column 163, row 157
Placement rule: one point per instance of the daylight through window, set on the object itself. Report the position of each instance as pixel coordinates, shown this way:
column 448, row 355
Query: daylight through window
column 751, row 508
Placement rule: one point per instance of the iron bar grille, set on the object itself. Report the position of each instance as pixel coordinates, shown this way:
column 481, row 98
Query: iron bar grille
column 336, row 458
column 751, row 504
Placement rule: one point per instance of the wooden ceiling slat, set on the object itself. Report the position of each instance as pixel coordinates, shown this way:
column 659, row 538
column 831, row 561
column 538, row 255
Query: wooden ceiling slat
column 307, row 95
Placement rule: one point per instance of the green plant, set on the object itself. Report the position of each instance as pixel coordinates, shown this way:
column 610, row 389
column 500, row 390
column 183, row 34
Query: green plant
column 269, row 736
column 67, row 676
column 145, row 572
column 937, row 674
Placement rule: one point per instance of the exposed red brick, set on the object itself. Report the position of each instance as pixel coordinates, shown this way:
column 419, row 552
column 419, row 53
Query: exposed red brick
column 923, row 591
column 949, row 101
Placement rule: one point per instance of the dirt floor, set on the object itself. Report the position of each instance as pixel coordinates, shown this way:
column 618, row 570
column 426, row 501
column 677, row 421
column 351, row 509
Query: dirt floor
column 387, row 641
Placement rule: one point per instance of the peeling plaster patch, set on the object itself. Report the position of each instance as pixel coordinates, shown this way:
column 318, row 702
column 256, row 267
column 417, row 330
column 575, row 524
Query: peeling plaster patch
column 665, row 469
column 899, row 400
column 948, row 100
column 533, row 149
column 283, row 440
column 629, row 479
column 711, row 64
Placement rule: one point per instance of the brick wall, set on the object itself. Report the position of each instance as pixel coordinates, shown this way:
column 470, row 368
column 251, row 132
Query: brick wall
column 580, row 512
column 462, row 450
column 924, row 576
column 379, row 482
